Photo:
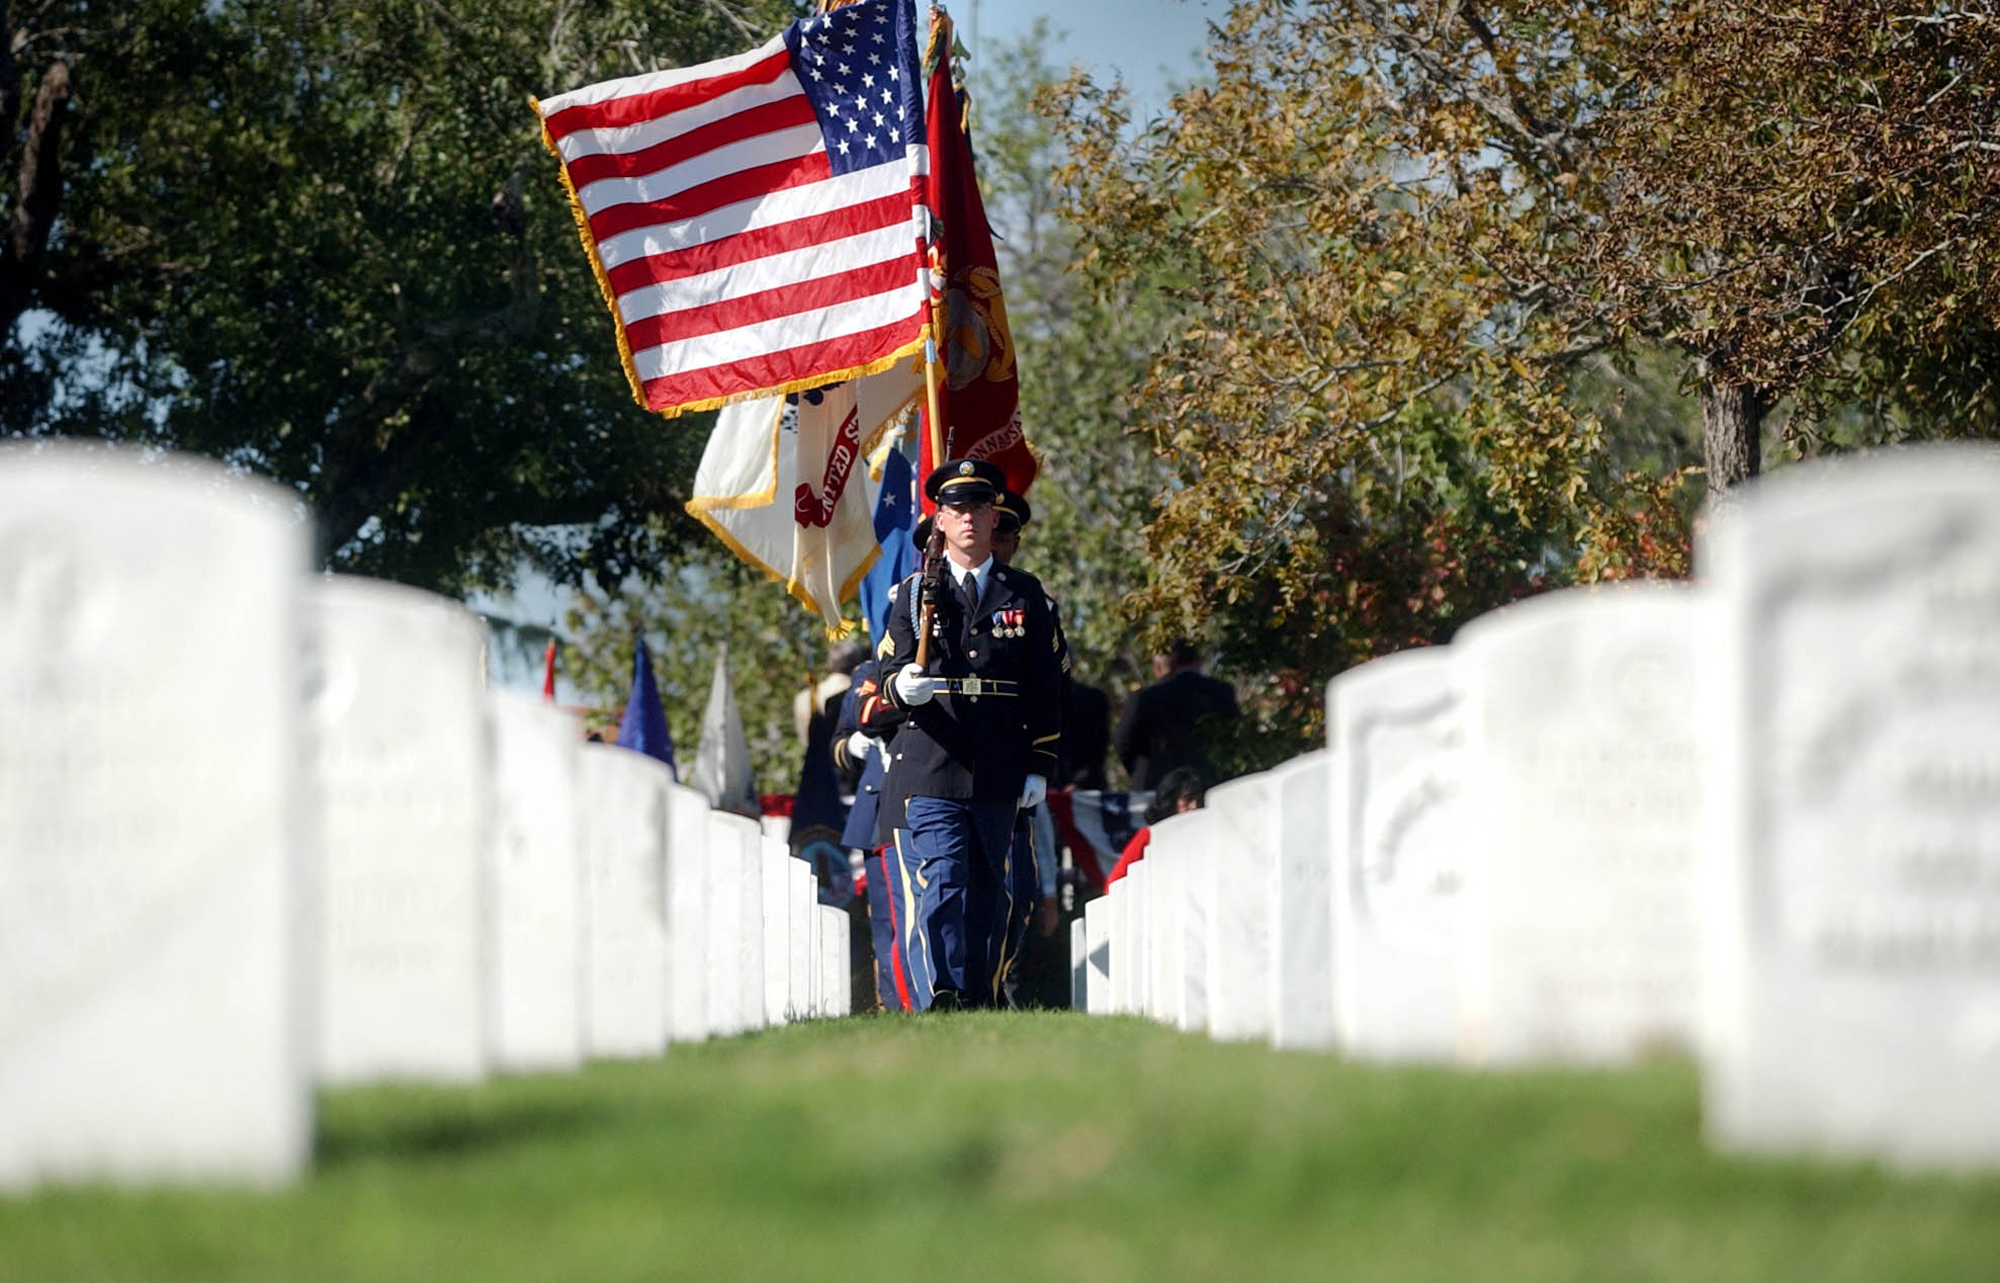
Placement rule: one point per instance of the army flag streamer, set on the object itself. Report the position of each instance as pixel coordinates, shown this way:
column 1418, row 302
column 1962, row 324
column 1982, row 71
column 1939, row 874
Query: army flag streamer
column 784, row 482
column 756, row 222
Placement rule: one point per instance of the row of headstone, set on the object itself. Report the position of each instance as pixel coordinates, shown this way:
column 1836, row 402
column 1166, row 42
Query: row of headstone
column 263, row 831
column 1755, row 820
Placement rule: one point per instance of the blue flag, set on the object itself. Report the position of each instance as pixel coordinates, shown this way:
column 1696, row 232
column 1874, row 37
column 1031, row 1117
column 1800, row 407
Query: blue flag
column 895, row 518
column 644, row 727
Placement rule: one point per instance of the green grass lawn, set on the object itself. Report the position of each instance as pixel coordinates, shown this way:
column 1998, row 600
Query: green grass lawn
column 1027, row 1147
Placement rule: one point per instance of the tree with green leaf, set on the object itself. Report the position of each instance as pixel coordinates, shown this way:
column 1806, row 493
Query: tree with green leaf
column 322, row 242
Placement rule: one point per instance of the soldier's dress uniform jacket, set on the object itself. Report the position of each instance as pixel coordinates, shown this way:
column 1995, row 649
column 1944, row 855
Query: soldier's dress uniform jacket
column 996, row 717
column 957, row 764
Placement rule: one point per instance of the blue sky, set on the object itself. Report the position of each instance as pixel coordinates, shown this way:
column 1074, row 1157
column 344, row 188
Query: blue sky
column 1152, row 43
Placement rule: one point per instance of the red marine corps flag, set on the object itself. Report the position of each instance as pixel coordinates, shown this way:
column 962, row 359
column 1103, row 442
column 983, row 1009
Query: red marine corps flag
column 979, row 393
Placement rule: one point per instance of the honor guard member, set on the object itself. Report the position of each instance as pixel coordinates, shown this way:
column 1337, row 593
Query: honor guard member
column 1032, row 864
column 879, row 720
column 854, row 749
column 976, row 732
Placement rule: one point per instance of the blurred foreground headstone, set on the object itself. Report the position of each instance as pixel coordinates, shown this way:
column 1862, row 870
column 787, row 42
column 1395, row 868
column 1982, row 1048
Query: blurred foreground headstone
column 1856, row 878
column 151, row 827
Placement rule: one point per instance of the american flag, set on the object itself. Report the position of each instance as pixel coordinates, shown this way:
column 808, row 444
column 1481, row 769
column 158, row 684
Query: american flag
column 757, row 222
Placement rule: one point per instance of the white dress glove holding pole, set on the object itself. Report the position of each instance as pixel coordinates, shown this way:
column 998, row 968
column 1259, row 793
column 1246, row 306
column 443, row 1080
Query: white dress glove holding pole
column 1033, row 791
column 914, row 686
column 859, row 746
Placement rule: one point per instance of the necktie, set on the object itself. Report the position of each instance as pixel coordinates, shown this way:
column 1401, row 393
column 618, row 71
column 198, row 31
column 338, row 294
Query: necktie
column 968, row 591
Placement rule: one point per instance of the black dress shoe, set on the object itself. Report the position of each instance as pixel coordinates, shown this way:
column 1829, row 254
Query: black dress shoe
column 946, row 1000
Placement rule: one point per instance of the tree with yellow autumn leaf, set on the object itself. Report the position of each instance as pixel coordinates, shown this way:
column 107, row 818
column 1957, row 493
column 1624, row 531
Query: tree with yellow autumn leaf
column 1414, row 235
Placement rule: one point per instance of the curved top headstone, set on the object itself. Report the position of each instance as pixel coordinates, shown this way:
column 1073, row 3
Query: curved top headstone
column 151, row 1013
column 1856, row 887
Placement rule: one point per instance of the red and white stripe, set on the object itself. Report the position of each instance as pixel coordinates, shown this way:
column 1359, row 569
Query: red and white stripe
column 739, row 263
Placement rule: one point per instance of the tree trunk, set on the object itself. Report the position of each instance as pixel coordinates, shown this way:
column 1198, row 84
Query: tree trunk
column 38, row 195
column 1732, row 429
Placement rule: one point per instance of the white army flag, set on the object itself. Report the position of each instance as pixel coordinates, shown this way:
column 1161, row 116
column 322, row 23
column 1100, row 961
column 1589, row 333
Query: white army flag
column 788, row 489
column 722, row 762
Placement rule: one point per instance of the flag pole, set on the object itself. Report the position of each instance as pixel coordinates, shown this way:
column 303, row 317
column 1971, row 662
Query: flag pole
column 933, row 374
column 933, row 377
column 931, row 553
column 934, row 350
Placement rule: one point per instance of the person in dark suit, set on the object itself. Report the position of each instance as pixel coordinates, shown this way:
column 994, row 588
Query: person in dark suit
column 855, row 751
column 1086, row 737
column 975, row 732
column 1025, row 970
column 1165, row 726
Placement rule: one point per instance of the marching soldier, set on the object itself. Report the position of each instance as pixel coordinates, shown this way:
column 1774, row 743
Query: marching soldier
column 975, row 731
column 1032, row 867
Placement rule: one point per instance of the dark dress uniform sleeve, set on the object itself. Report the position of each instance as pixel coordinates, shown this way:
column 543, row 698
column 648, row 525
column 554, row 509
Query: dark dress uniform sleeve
column 1047, row 651
column 879, row 713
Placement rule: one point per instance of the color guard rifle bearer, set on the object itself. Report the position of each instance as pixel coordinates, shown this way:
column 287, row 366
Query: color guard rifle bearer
column 975, row 729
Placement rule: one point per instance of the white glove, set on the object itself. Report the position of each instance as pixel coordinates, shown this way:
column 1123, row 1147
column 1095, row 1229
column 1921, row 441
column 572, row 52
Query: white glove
column 859, row 746
column 1033, row 791
column 914, row 686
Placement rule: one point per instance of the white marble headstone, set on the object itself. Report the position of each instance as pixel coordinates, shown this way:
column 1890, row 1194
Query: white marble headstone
column 1079, row 966
column 1196, row 890
column 1166, row 863
column 1097, row 942
column 834, row 974
column 728, row 838
column 1583, row 780
column 1856, row 874
column 1118, row 944
column 1139, row 940
column 1301, row 907
column 816, row 986
column 1400, row 854
column 624, row 828
column 151, row 830
column 1235, row 828
column 398, row 705
column 774, row 863
column 687, row 913
column 750, row 930
column 803, row 902
column 537, row 931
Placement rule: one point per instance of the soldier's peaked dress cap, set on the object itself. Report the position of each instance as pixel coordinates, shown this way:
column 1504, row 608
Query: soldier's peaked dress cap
column 965, row 481
column 1014, row 508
